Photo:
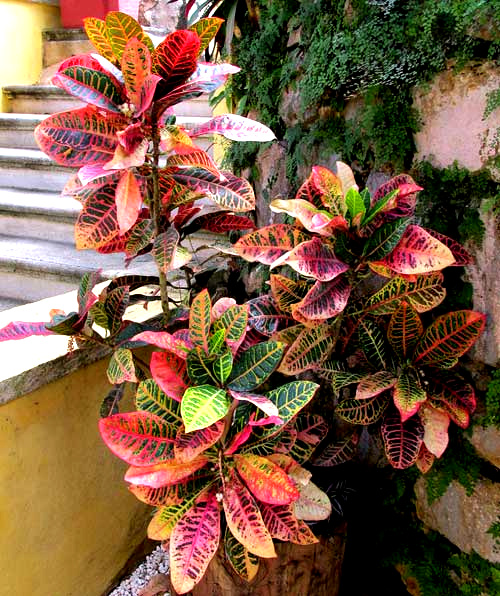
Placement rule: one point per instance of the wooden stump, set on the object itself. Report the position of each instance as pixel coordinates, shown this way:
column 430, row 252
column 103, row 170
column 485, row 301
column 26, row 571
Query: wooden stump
column 312, row 570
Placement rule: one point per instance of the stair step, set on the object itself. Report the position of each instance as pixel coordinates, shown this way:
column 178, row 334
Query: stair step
column 48, row 99
column 16, row 130
column 31, row 169
column 36, row 269
column 42, row 215
column 59, row 44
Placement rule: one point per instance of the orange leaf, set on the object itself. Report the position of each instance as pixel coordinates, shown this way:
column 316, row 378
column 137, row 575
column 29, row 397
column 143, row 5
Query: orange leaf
column 128, row 199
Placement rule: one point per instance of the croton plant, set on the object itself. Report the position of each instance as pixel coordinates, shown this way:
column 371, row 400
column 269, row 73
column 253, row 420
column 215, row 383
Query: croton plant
column 224, row 425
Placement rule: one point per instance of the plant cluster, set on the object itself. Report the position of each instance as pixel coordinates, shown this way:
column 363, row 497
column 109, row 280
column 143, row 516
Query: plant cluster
column 220, row 437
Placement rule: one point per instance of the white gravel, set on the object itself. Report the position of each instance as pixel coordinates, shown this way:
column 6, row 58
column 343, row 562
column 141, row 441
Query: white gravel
column 156, row 562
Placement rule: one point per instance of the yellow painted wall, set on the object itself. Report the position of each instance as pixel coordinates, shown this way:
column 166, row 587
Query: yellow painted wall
column 67, row 521
column 21, row 25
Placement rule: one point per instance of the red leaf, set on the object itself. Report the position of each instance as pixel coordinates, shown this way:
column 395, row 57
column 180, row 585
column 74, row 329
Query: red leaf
column 452, row 395
column 164, row 474
column 283, row 525
column 170, row 372
column 166, row 341
column 313, row 258
column 462, row 256
column 20, row 330
column 323, row 301
column 267, row 244
column 128, row 201
column 405, row 200
column 189, row 445
column 221, row 223
column 176, row 56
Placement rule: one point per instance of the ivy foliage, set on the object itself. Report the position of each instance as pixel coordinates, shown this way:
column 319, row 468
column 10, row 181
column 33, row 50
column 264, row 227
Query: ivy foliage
column 332, row 51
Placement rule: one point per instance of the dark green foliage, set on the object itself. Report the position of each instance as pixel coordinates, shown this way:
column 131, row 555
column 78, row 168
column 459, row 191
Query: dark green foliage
column 460, row 462
column 492, row 402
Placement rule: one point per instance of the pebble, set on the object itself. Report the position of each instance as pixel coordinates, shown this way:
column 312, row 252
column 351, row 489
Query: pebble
column 156, row 562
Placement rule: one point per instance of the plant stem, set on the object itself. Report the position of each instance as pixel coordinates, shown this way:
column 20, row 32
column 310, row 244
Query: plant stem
column 156, row 210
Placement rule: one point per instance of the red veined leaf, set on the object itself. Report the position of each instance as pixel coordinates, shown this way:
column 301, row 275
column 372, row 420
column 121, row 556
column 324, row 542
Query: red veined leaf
column 235, row 128
column 462, row 256
column 323, row 301
column 310, row 430
column 139, row 438
column 120, row 29
column 175, row 494
column 309, row 350
column 169, row 371
column 139, row 237
column 435, row 424
column 418, row 252
column 165, row 473
column 276, row 420
column 196, row 157
column 164, row 247
column 200, row 320
column 449, row 337
column 206, row 29
column 20, row 330
column 287, row 292
column 91, row 86
column 244, row 563
column 245, row 520
column 128, row 199
column 404, row 201
column 240, row 438
column 229, row 192
column 313, row 258
column 96, row 32
column 282, row 524
column 423, row 294
column 333, row 187
column 268, row 243
column 79, row 137
column 374, row 384
column 338, row 452
column 408, row 395
column 363, row 411
column 189, row 445
column 452, row 395
column 221, row 223
column 405, row 329
column 261, row 402
column 313, row 504
column 87, row 61
column 402, row 440
column 184, row 214
column 97, row 222
column 194, row 542
column 266, row 481
column 425, row 459
column 264, row 316
column 175, row 58
column 164, row 340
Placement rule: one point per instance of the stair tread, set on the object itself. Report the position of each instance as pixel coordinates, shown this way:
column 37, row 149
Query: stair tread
column 11, row 118
column 37, row 203
column 57, row 257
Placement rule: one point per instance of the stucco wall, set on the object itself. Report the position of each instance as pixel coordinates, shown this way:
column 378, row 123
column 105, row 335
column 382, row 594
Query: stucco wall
column 67, row 521
column 21, row 25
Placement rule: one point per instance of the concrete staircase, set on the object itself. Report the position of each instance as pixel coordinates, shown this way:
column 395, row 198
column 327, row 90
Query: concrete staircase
column 37, row 254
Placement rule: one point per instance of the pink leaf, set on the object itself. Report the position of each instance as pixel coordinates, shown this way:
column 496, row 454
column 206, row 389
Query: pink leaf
column 164, row 340
column 169, row 371
column 20, row 330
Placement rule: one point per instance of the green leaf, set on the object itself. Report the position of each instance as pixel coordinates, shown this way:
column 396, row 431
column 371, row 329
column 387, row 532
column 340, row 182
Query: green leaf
column 202, row 406
column 206, row 29
column 379, row 206
column 200, row 366
column 115, row 304
column 200, row 319
column 385, row 239
column 120, row 29
column 96, row 32
column 423, row 294
column 309, row 350
column 110, row 403
column 223, row 366
column 234, row 321
column 355, row 204
column 292, row 397
column 150, row 398
column 363, row 411
column 255, row 365
column 164, row 248
column 216, row 341
column 372, row 343
column 244, row 563
column 121, row 367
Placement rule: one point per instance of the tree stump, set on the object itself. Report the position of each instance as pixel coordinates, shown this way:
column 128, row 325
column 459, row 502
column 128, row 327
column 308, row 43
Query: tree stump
column 312, row 570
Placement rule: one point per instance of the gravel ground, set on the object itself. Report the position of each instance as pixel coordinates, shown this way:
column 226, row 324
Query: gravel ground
column 156, row 562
